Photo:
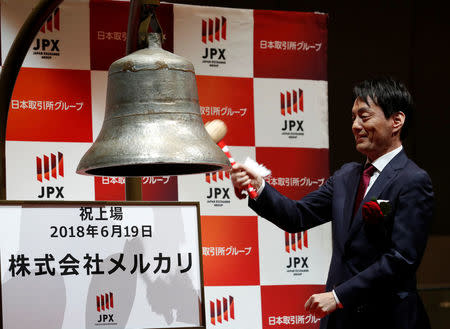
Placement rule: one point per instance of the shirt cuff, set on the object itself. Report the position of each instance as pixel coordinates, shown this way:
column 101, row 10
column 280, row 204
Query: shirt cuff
column 261, row 188
column 338, row 303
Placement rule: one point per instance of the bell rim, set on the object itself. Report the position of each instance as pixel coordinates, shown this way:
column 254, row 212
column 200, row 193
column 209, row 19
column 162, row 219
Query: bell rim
column 192, row 168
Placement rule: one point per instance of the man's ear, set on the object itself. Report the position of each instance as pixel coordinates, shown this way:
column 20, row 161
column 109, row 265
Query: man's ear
column 398, row 119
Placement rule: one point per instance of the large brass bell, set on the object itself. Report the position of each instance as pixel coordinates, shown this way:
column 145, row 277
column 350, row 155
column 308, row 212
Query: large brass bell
column 152, row 124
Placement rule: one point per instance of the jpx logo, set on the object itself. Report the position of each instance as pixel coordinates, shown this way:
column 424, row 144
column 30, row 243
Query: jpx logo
column 298, row 262
column 221, row 311
column 217, row 175
column 52, row 23
column 105, row 303
column 48, row 47
column 296, row 242
column 49, row 168
column 218, row 195
column 214, row 31
column 291, row 102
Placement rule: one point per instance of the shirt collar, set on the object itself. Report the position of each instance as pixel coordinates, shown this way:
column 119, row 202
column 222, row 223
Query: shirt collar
column 383, row 160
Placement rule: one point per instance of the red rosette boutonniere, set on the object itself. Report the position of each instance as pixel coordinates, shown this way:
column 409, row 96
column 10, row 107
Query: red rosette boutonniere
column 374, row 211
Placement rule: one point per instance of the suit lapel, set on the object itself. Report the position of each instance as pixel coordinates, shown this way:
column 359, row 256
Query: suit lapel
column 350, row 195
column 386, row 176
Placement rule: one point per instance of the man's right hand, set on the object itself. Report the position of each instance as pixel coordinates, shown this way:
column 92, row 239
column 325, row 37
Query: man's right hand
column 241, row 176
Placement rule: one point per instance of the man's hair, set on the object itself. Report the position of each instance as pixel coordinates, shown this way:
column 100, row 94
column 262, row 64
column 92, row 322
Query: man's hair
column 391, row 95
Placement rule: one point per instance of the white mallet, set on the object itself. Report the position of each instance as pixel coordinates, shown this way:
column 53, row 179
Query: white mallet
column 217, row 129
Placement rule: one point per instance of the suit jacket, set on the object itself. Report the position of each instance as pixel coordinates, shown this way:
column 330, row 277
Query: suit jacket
column 372, row 267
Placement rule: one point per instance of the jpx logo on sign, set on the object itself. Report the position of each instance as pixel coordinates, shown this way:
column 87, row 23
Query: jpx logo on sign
column 105, row 303
column 213, row 32
column 47, row 47
column 213, row 53
column 218, row 195
column 294, row 243
column 50, row 168
column 221, row 310
column 291, row 103
column 50, row 192
column 293, row 126
column 298, row 262
column 105, row 318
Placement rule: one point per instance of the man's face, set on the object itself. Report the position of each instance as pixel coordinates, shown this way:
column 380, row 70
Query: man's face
column 373, row 132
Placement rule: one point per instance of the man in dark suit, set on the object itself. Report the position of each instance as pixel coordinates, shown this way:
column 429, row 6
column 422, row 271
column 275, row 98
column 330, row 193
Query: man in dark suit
column 371, row 281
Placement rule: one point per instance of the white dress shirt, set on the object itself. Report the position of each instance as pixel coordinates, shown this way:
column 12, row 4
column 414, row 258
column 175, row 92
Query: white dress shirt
column 380, row 163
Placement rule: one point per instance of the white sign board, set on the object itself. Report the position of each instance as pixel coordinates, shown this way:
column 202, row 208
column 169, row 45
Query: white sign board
column 75, row 265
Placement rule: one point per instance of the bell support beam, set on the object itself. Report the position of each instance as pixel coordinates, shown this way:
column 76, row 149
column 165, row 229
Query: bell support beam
column 11, row 68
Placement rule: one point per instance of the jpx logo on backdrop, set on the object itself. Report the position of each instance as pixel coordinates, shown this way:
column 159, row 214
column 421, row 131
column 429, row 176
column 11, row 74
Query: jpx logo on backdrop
column 295, row 243
column 217, row 195
column 105, row 304
column 291, row 104
column 214, row 30
column 50, row 168
column 221, row 310
column 47, row 46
